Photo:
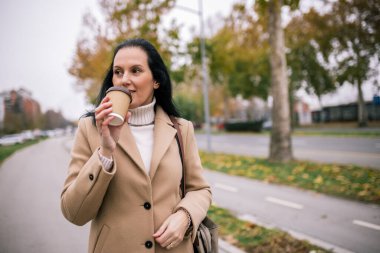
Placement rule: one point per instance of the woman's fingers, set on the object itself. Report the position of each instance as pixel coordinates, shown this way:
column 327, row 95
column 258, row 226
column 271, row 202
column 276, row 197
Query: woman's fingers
column 162, row 235
column 102, row 106
column 172, row 245
column 107, row 120
column 109, row 134
column 161, row 230
column 105, row 99
column 169, row 235
column 103, row 114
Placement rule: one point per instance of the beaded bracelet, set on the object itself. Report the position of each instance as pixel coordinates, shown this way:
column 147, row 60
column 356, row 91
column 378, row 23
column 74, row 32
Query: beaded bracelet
column 188, row 217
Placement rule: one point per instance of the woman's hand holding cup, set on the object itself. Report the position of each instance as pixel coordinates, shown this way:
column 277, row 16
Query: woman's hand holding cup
column 110, row 116
column 109, row 134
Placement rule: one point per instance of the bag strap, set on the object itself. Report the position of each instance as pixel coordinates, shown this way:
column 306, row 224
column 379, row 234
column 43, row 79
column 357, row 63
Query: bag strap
column 179, row 139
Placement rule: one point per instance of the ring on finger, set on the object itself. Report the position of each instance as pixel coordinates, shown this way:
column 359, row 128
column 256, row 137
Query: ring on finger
column 171, row 245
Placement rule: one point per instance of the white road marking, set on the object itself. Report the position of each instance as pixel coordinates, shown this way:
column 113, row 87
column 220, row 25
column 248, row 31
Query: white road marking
column 366, row 224
column 226, row 187
column 284, row 203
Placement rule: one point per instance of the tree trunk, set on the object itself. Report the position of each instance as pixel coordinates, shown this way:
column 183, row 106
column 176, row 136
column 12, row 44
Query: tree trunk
column 226, row 98
column 294, row 119
column 362, row 110
column 280, row 142
column 322, row 116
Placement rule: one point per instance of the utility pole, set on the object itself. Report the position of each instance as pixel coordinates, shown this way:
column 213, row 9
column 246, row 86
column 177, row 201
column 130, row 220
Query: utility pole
column 204, row 71
column 205, row 80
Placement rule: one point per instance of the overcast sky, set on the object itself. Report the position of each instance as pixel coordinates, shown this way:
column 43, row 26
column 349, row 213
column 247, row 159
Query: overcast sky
column 38, row 40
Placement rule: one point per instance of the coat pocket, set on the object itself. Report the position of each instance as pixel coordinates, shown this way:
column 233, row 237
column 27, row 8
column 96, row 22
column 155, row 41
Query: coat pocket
column 101, row 239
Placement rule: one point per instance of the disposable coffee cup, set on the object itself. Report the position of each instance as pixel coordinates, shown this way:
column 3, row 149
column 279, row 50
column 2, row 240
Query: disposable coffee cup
column 121, row 98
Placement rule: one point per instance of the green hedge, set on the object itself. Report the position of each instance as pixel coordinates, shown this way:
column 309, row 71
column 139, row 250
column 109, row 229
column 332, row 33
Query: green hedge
column 247, row 126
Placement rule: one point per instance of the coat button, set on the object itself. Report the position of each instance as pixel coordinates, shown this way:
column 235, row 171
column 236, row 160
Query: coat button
column 91, row 177
column 147, row 205
column 148, row 244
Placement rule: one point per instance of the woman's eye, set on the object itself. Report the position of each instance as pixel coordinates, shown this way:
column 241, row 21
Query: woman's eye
column 117, row 72
column 136, row 70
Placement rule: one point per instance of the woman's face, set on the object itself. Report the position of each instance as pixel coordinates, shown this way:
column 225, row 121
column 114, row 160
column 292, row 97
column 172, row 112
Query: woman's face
column 131, row 70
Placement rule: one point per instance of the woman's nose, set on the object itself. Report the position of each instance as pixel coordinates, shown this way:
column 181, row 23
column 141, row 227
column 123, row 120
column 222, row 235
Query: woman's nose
column 126, row 80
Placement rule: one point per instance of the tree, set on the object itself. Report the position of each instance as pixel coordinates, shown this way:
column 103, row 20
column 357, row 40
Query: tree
column 123, row 19
column 352, row 38
column 54, row 120
column 189, row 106
column 280, row 141
column 238, row 56
column 240, row 50
column 280, row 145
column 308, row 70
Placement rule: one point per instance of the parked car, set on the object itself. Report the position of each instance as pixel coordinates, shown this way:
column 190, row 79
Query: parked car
column 11, row 139
column 267, row 125
column 28, row 135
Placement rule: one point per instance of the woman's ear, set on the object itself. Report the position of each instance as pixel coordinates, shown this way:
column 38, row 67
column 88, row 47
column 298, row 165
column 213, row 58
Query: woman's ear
column 156, row 85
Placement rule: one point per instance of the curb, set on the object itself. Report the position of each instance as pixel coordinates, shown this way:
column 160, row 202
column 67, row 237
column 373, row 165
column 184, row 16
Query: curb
column 225, row 247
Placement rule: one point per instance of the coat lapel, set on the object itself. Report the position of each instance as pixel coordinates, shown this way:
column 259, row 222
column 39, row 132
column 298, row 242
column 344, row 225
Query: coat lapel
column 128, row 144
column 164, row 134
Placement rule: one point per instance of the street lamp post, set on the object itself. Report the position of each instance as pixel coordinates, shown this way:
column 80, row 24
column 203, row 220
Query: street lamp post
column 204, row 71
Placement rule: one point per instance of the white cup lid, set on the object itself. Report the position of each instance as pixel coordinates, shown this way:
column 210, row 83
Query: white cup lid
column 117, row 120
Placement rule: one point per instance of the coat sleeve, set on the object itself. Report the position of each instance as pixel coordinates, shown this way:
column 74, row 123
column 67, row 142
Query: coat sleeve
column 198, row 197
column 87, row 180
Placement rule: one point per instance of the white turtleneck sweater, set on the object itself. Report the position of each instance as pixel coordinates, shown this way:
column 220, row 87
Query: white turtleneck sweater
column 141, row 123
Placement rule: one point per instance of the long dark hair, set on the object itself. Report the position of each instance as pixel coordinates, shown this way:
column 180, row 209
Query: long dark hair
column 163, row 93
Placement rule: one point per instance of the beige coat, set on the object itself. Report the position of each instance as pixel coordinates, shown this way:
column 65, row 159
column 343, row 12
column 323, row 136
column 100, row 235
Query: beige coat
column 126, row 206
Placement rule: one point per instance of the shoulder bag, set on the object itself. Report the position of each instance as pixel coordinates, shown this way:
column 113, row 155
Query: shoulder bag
column 206, row 239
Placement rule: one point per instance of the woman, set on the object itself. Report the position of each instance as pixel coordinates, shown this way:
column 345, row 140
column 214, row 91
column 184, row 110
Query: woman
column 126, row 179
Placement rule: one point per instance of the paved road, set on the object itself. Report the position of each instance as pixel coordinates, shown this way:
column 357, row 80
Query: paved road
column 347, row 150
column 30, row 217
column 346, row 226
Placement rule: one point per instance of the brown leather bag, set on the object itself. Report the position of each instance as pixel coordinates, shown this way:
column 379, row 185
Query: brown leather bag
column 206, row 240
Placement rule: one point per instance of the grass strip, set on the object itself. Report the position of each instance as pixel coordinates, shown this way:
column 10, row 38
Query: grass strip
column 348, row 181
column 6, row 151
column 256, row 239
column 364, row 134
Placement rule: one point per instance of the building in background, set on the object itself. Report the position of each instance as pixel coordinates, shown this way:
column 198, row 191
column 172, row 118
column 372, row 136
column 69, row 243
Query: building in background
column 19, row 111
column 302, row 113
column 345, row 113
column 2, row 109
column 31, row 109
